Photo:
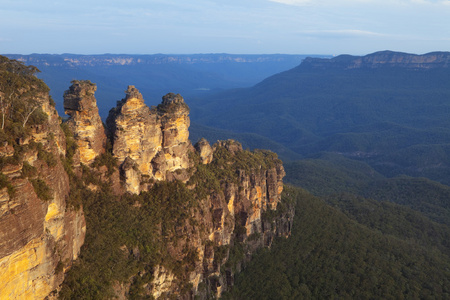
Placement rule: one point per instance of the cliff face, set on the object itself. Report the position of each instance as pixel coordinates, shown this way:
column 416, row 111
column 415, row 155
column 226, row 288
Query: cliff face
column 85, row 122
column 235, row 218
column 382, row 59
column 208, row 207
column 240, row 213
column 39, row 239
column 149, row 144
column 235, row 195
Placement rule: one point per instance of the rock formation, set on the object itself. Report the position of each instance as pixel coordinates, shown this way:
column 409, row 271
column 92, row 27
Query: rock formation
column 236, row 214
column 205, row 151
column 38, row 239
column 85, row 122
column 230, row 197
column 382, row 59
column 150, row 144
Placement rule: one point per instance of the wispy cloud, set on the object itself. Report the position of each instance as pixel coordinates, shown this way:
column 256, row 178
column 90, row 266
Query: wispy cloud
column 352, row 2
column 354, row 32
column 293, row 2
column 339, row 33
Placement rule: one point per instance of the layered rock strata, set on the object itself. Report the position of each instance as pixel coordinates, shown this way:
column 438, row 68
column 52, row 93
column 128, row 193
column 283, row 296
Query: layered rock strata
column 152, row 144
column 382, row 59
column 236, row 193
column 80, row 104
column 239, row 213
column 38, row 239
column 149, row 144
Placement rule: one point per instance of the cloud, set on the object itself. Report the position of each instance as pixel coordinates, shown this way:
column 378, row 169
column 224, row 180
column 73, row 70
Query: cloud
column 352, row 2
column 293, row 2
column 342, row 33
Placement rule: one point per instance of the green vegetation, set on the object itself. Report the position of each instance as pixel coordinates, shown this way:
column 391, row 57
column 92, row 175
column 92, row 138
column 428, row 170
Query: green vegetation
column 394, row 119
column 394, row 219
column 131, row 234
column 374, row 233
column 21, row 97
column 106, row 159
column 332, row 254
column 21, row 93
column 28, row 170
column 46, row 156
column 4, row 182
column 43, row 191
column 328, row 175
column 128, row 235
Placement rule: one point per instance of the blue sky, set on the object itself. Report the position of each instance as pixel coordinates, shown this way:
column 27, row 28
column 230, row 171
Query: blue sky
column 227, row 26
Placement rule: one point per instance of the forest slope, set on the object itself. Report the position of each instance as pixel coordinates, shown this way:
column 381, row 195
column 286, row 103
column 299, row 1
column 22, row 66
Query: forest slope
column 388, row 109
column 338, row 252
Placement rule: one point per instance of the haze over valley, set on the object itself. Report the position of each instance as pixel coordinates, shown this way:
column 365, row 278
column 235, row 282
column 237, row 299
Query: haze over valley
column 270, row 149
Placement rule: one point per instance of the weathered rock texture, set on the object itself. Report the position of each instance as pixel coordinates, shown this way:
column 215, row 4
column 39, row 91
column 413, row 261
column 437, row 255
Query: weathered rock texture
column 235, row 202
column 149, row 144
column 239, row 213
column 38, row 239
column 205, row 151
column 233, row 195
column 80, row 104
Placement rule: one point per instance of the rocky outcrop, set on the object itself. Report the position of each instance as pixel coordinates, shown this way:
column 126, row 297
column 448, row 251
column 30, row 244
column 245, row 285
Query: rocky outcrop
column 229, row 200
column 149, row 144
column 80, row 104
column 39, row 239
column 382, row 59
column 204, row 150
column 240, row 213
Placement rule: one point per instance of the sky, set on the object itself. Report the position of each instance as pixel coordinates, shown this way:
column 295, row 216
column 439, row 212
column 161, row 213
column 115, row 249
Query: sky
column 329, row 27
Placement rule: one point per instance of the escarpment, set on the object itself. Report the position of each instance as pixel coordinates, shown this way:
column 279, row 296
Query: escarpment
column 220, row 208
column 168, row 219
column 40, row 235
column 381, row 59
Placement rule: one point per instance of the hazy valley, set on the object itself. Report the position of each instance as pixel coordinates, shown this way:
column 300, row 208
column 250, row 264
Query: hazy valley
column 353, row 202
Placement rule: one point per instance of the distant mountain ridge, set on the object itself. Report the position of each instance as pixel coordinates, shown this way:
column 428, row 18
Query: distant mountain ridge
column 76, row 60
column 156, row 74
column 382, row 59
column 369, row 107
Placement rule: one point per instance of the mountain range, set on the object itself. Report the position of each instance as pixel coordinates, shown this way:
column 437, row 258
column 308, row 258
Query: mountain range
column 388, row 109
column 128, row 207
column 155, row 75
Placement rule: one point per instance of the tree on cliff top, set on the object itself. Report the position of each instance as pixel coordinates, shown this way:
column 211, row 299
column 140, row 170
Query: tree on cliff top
column 19, row 92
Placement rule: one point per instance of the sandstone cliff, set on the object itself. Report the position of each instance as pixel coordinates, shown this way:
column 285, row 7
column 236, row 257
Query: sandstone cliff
column 382, row 59
column 149, row 144
column 85, row 122
column 219, row 210
column 167, row 219
column 39, row 235
column 237, row 195
column 242, row 212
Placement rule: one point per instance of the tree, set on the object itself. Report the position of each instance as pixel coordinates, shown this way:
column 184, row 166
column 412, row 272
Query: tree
column 19, row 89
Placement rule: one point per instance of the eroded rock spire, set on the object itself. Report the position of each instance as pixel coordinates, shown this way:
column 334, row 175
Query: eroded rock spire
column 80, row 104
column 156, row 140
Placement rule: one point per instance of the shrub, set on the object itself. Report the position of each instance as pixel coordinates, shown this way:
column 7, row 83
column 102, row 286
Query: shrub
column 42, row 190
column 28, row 170
column 4, row 182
